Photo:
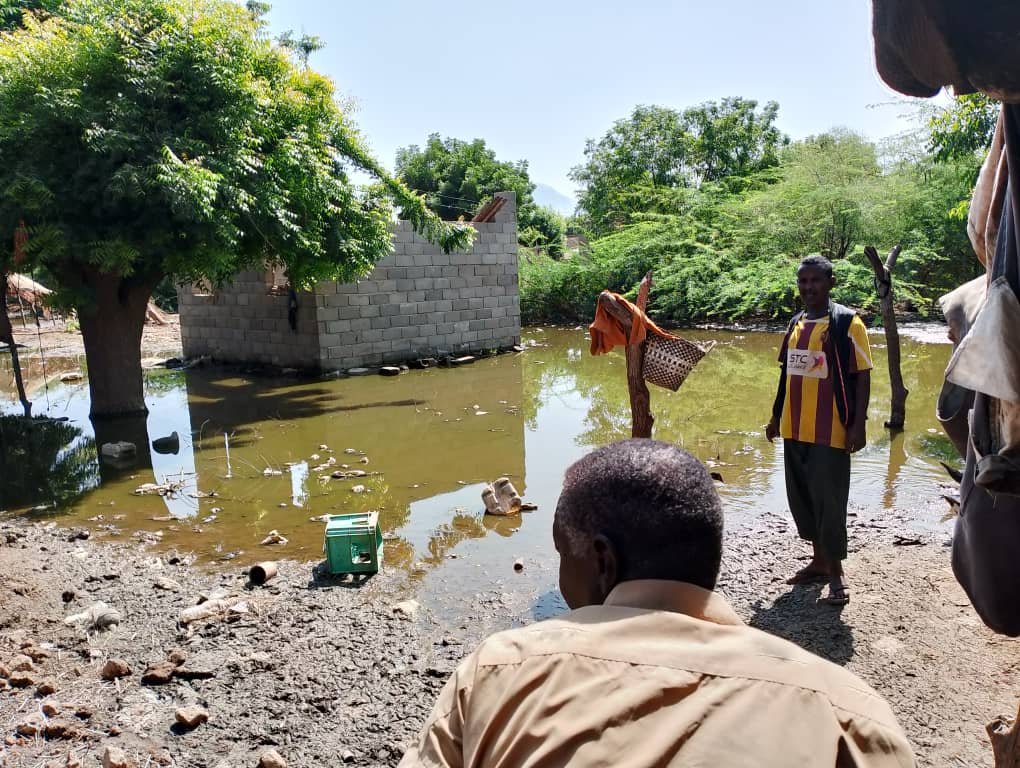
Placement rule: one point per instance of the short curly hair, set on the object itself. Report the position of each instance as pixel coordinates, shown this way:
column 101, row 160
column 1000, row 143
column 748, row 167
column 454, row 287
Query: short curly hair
column 816, row 262
column 655, row 502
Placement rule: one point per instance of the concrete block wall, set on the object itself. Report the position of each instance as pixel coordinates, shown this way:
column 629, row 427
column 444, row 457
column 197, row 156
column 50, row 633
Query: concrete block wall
column 243, row 322
column 418, row 301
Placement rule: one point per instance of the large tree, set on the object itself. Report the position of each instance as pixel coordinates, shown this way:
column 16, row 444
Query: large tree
column 144, row 138
column 457, row 177
column 658, row 147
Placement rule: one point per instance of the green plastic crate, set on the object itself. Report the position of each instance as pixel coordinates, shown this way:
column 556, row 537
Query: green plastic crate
column 354, row 543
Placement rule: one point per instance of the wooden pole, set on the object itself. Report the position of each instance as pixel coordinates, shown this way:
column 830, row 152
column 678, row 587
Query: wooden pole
column 883, row 284
column 1005, row 735
column 640, row 400
column 7, row 337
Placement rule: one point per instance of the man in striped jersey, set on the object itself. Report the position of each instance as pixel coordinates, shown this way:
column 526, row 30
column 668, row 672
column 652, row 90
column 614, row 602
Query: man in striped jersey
column 820, row 410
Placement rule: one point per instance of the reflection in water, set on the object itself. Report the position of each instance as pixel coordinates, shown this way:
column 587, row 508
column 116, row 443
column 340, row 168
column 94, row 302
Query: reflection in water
column 897, row 458
column 43, row 463
column 257, row 454
column 299, row 483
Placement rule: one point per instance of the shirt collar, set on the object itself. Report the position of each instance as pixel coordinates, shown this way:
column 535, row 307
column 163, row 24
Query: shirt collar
column 676, row 596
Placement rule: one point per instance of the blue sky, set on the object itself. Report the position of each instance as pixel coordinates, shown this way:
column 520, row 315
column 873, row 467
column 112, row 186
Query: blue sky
column 536, row 79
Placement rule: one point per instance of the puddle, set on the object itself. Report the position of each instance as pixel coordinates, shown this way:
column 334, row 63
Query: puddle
column 252, row 455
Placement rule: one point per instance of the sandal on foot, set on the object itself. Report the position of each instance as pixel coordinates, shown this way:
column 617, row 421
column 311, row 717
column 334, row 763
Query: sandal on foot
column 808, row 576
column 838, row 595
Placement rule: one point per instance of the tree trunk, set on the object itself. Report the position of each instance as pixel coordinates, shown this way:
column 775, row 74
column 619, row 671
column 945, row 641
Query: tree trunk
column 640, row 401
column 111, row 330
column 883, row 284
column 132, row 429
column 7, row 337
column 1005, row 736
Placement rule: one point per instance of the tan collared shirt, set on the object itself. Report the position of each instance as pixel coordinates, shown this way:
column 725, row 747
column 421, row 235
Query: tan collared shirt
column 663, row 674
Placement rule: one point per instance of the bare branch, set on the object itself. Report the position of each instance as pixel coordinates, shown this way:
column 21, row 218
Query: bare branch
column 890, row 260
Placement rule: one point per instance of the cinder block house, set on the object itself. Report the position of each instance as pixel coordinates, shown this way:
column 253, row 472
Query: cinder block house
column 417, row 302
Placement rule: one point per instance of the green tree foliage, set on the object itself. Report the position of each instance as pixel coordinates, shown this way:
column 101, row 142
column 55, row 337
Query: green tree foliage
column 660, row 148
column 12, row 12
column 542, row 228
column 726, row 250
column 458, row 177
column 818, row 203
column 145, row 138
column 964, row 129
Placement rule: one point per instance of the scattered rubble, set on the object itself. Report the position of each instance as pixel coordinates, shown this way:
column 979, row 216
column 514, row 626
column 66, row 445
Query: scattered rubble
column 191, row 717
column 115, row 668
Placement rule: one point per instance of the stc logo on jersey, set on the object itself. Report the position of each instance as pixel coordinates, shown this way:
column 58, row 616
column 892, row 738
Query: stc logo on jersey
column 804, row 362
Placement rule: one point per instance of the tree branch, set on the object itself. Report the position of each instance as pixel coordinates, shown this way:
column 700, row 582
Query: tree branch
column 1004, row 733
column 890, row 260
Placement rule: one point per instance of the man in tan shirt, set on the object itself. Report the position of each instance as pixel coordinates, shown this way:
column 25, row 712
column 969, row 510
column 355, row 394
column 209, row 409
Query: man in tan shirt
column 651, row 668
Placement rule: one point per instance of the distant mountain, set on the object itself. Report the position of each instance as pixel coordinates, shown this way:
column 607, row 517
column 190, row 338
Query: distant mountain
column 553, row 198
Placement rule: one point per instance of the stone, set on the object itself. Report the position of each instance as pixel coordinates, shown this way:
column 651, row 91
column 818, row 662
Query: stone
column 21, row 663
column 272, row 759
column 84, row 712
column 177, row 656
column 262, row 660
column 347, row 756
column 170, row 444
column 160, row 673
column 115, row 757
column 407, row 608
column 164, row 583
column 36, row 654
column 67, row 595
column 30, row 726
column 4, row 671
column 118, row 450
column 71, row 376
column 115, row 668
column 22, row 680
column 51, row 709
column 518, row 565
column 46, row 688
column 191, row 717
column 60, row 729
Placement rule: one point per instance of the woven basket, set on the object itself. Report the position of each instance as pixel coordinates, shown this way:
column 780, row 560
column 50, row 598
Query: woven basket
column 670, row 359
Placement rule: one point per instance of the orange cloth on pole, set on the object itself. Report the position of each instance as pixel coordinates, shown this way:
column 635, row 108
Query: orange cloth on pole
column 608, row 332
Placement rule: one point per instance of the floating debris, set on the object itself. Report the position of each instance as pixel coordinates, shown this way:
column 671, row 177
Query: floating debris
column 274, row 537
column 160, row 489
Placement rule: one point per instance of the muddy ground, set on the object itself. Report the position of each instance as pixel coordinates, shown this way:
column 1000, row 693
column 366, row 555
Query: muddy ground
column 330, row 674
column 59, row 338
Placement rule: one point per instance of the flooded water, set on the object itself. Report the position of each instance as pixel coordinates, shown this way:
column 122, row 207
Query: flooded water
column 253, row 455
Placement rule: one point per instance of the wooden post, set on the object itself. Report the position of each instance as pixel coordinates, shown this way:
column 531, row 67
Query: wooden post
column 883, row 285
column 640, row 400
column 7, row 337
column 1005, row 735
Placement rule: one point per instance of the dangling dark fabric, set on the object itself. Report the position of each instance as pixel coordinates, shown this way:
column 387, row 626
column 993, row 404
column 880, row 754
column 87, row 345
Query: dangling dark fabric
column 292, row 307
